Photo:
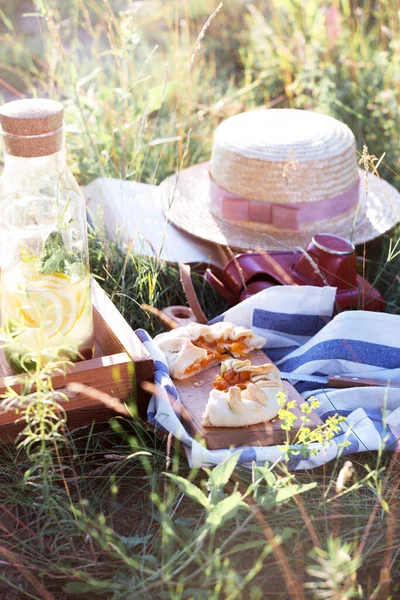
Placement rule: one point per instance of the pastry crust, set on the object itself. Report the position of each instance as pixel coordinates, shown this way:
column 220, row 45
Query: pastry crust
column 193, row 348
column 255, row 401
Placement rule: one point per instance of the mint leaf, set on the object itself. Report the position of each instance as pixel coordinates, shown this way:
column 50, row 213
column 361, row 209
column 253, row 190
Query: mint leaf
column 55, row 256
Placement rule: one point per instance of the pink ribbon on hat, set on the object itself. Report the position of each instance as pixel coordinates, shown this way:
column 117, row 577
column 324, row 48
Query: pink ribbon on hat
column 282, row 216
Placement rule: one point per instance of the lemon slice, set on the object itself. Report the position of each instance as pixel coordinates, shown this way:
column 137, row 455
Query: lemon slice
column 48, row 302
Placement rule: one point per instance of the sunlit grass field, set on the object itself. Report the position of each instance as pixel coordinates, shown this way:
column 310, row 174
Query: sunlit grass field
column 144, row 84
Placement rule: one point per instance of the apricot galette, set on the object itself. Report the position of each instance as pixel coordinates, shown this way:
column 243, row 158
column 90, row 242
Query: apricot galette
column 244, row 394
column 194, row 348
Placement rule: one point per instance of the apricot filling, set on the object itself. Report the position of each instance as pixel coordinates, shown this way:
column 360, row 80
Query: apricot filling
column 231, row 378
column 221, row 351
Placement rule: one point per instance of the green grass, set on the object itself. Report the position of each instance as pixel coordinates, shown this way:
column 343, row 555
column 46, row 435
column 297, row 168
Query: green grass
column 93, row 513
column 133, row 280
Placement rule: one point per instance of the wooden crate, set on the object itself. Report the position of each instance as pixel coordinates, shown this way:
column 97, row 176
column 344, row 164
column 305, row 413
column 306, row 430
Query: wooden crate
column 120, row 365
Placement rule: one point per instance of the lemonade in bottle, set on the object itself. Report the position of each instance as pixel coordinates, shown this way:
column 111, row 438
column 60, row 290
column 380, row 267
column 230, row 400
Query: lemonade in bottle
column 46, row 309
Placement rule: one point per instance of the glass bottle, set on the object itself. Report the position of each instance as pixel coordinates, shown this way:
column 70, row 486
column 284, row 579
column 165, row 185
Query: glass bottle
column 46, row 309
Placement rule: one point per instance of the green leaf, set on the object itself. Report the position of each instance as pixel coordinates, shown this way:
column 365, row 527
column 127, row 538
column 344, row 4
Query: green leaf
column 159, row 94
column 93, row 586
column 224, row 510
column 274, row 496
column 54, row 263
column 385, row 505
column 134, row 540
column 55, row 256
column 287, row 492
column 265, row 473
column 7, row 22
column 188, row 488
column 222, row 474
column 187, row 523
column 247, row 546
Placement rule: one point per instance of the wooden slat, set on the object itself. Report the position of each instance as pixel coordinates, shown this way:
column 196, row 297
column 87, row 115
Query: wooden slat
column 109, row 374
column 114, row 330
column 88, row 369
column 78, row 417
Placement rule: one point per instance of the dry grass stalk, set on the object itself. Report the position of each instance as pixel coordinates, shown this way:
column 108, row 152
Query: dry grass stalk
column 17, row 564
column 307, row 521
column 150, row 388
column 94, row 394
column 293, row 585
column 237, row 265
column 314, row 265
column 385, row 576
column 287, row 278
column 367, row 160
column 11, row 89
column 376, row 507
column 203, row 31
column 168, row 457
column 165, row 320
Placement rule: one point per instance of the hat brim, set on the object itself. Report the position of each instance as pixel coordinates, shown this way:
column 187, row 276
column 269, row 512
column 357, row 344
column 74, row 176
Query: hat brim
column 188, row 206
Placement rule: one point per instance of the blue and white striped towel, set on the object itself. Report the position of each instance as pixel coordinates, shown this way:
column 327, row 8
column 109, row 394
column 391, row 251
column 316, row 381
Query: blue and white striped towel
column 302, row 338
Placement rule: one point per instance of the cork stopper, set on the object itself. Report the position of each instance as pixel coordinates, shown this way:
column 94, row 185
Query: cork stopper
column 32, row 127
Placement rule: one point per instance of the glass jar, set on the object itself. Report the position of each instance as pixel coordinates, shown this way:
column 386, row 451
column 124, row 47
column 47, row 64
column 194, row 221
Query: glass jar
column 46, row 306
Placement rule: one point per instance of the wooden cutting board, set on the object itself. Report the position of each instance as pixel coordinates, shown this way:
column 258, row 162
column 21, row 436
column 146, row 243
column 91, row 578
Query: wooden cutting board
column 194, row 392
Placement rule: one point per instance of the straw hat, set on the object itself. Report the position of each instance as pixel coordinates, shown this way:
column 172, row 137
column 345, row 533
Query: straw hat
column 277, row 177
